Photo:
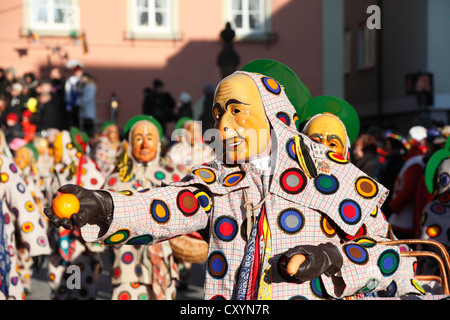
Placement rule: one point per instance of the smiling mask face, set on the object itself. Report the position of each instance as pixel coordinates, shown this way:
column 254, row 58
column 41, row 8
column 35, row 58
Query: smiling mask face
column 239, row 114
column 145, row 140
column 328, row 130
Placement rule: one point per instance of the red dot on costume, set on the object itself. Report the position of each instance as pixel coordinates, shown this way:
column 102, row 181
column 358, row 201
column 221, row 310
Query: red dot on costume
column 349, row 212
column 94, row 181
column 176, row 178
column 112, row 181
column 124, row 296
column 226, row 229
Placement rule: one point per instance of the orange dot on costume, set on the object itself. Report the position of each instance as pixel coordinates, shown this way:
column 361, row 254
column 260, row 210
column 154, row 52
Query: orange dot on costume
column 159, row 211
column 328, row 227
column 433, row 231
column 233, row 178
column 207, row 175
column 366, row 187
column 271, row 85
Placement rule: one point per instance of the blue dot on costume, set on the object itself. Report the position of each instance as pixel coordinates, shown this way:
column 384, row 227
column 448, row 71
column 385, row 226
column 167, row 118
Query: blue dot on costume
column 21, row 187
column 290, row 148
column 326, row 184
column 356, row 253
column 217, row 265
column 350, row 211
column 233, row 178
column 293, row 181
column 438, row 209
column 187, row 203
column 388, row 262
column 226, row 228
column 204, row 199
column 159, row 211
column 290, row 221
column 271, row 85
column 117, row 237
column 284, row 117
column 140, row 240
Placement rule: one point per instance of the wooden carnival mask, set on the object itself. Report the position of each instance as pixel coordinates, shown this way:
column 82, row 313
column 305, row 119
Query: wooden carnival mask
column 239, row 114
column 145, row 141
column 22, row 158
column 330, row 131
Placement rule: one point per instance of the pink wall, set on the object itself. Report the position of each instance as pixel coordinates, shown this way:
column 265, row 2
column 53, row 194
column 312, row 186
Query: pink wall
column 126, row 66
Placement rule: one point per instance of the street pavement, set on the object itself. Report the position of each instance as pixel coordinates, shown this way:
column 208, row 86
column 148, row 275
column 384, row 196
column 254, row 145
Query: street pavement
column 40, row 289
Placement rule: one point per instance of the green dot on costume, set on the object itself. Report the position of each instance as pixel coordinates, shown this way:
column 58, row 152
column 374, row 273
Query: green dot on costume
column 433, row 165
column 140, row 240
column 336, row 106
column 388, row 262
column 317, row 288
column 117, row 237
column 370, row 285
column 295, row 90
column 326, row 184
column 160, row 175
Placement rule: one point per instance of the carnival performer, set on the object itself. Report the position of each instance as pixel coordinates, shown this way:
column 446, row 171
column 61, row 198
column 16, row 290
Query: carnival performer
column 108, row 148
column 25, row 158
column 334, row 123
column 264, row 201
column 20, row 217
column 72, row 165
column 435, row 222
column 44, row 165
column 142, row 272
column 189, row 150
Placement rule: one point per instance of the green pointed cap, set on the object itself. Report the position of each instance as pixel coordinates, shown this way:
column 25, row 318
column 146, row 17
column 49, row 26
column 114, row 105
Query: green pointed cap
column 140, row 117
column 433, row 165
column 336, row 106
column 296, row 91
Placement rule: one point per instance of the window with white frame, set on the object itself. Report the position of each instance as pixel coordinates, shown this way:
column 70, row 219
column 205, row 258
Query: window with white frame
column 52, row 17
column 248, row 18
column 152, row 18
column 366, row 47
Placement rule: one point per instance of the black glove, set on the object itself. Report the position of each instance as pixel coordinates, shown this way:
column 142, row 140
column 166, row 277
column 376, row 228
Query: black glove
column 322, row 259
column 96, row 207
column 38, row 262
